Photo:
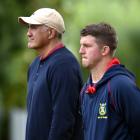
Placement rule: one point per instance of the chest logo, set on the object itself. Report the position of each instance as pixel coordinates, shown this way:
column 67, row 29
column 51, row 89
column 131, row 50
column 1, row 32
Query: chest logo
column 102, row 111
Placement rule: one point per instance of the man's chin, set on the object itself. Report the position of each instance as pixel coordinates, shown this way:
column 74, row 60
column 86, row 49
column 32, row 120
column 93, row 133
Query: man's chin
column 84, row 65
column 30, row 46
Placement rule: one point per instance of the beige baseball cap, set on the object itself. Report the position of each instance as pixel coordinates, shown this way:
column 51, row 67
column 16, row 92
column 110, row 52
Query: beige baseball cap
column 47, row 16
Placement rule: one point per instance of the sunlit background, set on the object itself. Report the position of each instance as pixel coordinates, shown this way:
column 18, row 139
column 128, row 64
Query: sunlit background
column 15, row 58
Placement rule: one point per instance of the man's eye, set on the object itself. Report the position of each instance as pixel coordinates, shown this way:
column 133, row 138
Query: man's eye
column 33, row 26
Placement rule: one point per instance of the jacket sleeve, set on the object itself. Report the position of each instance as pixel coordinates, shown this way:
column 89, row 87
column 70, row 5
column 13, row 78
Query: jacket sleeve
column 127, row 101
column 65, row 83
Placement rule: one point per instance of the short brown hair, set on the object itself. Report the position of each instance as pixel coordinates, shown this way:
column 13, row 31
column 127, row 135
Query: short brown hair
column 104, row 34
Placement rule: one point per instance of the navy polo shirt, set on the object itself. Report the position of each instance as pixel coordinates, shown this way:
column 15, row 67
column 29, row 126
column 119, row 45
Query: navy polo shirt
column 54, row 84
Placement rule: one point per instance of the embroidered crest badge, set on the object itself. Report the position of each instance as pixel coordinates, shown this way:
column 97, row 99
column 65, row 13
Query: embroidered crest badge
column 102, row 111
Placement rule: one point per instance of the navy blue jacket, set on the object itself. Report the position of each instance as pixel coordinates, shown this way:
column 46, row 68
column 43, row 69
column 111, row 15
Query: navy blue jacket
column 113, row 111
column 53, row 107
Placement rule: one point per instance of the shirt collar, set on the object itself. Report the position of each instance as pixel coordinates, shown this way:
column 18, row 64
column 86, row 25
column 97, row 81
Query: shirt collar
column 57, row 47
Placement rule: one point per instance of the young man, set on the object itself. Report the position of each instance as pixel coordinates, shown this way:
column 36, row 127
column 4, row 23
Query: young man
column 54, row 81
column 110, row 97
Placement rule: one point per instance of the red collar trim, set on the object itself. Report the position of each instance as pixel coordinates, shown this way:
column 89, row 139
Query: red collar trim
column 57, row 47
column 113, row 62
column 91, row 89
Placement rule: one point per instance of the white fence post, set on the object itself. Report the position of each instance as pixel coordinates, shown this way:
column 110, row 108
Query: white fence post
column 17, row 124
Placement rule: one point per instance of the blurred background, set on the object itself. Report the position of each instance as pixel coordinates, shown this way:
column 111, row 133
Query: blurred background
column 15, row 58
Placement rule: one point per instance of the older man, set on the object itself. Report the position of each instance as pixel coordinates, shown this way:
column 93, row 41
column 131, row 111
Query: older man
column 54, row 81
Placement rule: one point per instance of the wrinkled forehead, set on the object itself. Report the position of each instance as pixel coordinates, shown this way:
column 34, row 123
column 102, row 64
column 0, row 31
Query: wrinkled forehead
column 34, row 26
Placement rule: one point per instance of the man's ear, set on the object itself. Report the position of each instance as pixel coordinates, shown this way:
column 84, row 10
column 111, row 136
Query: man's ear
column 52, row 34
column 105, row 50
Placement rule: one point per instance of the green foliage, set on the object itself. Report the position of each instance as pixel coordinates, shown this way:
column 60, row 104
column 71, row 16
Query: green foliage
column 15, row 57
column 122, row 15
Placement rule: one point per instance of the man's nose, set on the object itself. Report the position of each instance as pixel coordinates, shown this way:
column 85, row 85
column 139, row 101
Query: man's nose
column 29, row 33
column 81, row 50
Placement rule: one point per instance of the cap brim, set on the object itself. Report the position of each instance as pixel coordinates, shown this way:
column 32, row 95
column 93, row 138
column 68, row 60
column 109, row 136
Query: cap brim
column 27, row 20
